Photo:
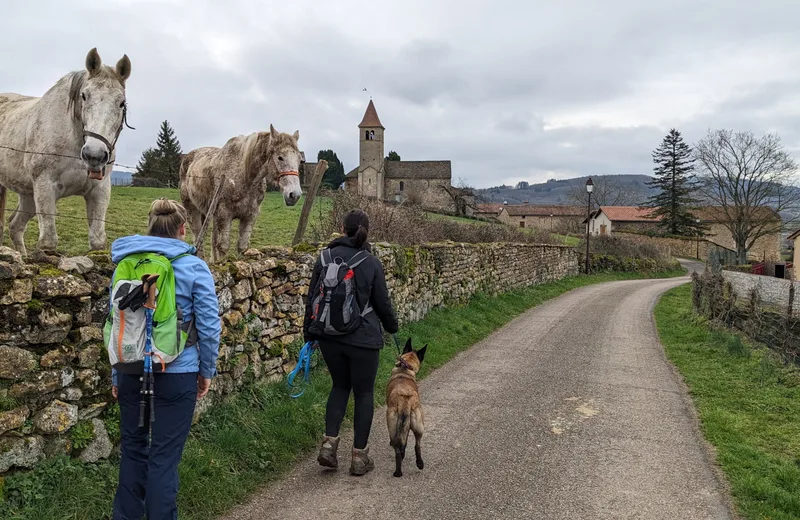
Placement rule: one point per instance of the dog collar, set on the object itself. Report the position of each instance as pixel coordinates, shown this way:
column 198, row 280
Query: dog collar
column 402, row 363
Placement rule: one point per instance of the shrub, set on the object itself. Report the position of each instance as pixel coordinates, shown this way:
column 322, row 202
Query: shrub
column 408, row 224
column 609, row 253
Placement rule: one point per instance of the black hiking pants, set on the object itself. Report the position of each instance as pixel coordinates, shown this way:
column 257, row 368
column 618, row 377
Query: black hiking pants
column 353, row 369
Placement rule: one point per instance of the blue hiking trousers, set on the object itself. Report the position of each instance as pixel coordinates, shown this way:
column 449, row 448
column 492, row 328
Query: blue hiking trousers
column 148, row 474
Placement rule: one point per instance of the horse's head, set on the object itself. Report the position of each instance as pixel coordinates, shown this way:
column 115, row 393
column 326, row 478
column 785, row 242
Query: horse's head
column 97, row 99
column 275, row 155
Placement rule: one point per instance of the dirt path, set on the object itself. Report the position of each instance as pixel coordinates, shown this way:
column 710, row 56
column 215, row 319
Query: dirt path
column 569, row 412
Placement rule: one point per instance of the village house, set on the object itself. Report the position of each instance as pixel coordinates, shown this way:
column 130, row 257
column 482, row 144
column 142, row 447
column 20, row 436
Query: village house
column 609, row 219
column 558, row 219
column 489, row 211
column 795, row 238
column 421, row 182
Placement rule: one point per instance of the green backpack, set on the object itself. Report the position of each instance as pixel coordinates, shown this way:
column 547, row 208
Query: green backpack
column 124, row 331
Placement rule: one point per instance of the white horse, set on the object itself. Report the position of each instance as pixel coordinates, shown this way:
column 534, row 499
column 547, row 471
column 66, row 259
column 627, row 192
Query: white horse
column 61, row 145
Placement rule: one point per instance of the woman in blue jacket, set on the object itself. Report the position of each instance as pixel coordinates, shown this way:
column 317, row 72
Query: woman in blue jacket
column 148, row 476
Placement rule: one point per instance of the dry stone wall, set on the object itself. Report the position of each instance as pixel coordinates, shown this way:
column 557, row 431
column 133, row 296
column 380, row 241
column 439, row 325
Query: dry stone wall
column 54, row 374
column 770, row 290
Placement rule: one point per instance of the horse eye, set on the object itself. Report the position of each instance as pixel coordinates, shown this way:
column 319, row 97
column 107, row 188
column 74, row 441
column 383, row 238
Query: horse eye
column 83, row 96
column 280, row 158
column 122, row 105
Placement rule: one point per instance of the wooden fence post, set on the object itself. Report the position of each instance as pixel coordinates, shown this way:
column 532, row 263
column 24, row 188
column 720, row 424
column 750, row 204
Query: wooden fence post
column 198, row 240
column 322, row 166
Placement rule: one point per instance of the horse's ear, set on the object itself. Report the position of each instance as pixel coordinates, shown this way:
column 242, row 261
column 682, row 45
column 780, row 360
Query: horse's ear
column 408, row 347
column 124, row 68
column 93, row 62
column 296, row 135
column 272, row 131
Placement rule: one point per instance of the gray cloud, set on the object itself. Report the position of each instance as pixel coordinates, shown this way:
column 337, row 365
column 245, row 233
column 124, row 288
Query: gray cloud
column 507, row 91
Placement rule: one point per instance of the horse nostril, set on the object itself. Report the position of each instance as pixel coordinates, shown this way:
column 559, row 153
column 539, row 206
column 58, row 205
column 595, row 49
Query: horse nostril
column 105, row 156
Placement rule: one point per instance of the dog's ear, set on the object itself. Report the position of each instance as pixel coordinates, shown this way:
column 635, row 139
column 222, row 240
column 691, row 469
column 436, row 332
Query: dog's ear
column 421, row 353
column 408, row 347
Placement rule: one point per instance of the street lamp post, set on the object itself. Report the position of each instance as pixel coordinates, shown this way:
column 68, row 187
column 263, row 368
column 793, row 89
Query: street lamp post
column 589, row 188
column 697, row 230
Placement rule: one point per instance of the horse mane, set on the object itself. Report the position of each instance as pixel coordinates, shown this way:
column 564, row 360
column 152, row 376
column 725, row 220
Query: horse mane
column 255, row 146
column 76, row 82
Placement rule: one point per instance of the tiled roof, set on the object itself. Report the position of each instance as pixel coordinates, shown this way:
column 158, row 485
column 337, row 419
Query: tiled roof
column 489, row 208
column 371, row 119
column 417, row 169
column 352, row 174
column 629, row 214
column 717, row 213
column 527, row 210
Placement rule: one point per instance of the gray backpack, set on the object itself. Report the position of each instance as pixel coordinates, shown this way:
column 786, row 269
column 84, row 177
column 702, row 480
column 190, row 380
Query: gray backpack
column 334, row 308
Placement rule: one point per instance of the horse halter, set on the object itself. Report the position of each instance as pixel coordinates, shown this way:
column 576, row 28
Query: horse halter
column 110, row 145
column 281, row 174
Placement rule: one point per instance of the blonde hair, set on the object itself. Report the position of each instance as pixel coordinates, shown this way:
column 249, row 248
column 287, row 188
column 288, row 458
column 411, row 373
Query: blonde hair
column 166, row 217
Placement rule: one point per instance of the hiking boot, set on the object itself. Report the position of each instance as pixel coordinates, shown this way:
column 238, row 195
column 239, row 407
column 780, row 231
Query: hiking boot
column 327, row 452
column 361, row 463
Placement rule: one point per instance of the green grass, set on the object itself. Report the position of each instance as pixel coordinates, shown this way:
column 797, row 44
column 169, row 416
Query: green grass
column 749, row 408
column 258, row 434
column 127, row 215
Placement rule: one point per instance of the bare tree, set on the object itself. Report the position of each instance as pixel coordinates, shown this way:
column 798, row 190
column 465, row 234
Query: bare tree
column 608, row 191
column 463, row 197
column 751, row 181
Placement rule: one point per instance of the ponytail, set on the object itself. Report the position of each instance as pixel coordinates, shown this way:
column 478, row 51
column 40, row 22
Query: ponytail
column 356, row 225
column 360, row 236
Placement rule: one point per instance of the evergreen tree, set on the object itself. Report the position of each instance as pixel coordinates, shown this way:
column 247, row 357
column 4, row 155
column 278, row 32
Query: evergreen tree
column 334, row 175
column 393, row 156
column 674, row 178
column 160, row 165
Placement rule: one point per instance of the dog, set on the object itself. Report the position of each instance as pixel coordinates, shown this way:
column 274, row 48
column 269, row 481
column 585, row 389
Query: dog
column 403, row 406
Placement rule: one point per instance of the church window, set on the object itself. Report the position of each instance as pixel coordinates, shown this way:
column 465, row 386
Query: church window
column 366, row 135
column 372, row 135
column 401, row 185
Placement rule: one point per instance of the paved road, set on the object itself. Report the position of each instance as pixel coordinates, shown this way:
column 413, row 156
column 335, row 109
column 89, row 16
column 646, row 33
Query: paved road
column 571, row 411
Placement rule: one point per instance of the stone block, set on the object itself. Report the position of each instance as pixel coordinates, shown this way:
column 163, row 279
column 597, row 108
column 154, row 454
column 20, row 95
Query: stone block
column 13, row 419
column 60, row 286
column 16, row 363
column 100, row 447
column 20, row 452
column 78, row 264
column 57, row 417
column 21, row 291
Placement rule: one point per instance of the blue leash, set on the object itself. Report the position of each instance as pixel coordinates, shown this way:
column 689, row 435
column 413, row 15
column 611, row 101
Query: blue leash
column 304, row 364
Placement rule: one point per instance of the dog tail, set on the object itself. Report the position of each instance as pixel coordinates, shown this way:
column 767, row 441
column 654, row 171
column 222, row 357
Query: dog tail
column 400, row 434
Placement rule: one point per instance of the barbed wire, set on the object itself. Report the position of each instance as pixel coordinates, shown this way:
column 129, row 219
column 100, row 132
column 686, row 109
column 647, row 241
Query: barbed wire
column 120, row 165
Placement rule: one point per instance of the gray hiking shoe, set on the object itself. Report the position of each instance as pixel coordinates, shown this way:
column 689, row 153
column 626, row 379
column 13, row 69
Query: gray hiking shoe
column 361, row 463
column 327, row 452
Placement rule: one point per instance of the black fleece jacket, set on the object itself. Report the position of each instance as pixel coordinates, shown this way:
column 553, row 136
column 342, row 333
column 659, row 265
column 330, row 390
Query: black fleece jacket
column 370, row 287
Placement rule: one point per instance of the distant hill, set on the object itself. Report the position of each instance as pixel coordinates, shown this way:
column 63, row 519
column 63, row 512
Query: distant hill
column 121, row 178
column 557, row 191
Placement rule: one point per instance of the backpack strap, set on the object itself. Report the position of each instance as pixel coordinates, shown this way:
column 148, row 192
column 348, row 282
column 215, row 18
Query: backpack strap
column 325, row 261
column 360, row 256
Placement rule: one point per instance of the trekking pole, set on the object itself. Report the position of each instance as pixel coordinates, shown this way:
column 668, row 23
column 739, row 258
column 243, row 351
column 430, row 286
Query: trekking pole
column 149, row 288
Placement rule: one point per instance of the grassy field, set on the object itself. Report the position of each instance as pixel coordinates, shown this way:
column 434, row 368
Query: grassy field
column 127, row 215
column 257, row 436
column 749, row 407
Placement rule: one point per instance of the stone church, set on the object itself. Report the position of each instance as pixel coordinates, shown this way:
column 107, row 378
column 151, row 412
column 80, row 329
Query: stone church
column 421, row 182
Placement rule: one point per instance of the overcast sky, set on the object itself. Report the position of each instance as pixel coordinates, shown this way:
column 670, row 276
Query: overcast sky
column 507, row 91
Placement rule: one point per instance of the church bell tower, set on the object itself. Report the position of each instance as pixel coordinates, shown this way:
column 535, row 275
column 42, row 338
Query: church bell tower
column 371, row 154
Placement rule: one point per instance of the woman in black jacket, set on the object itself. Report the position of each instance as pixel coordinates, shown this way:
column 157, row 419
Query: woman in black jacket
column 352, row 359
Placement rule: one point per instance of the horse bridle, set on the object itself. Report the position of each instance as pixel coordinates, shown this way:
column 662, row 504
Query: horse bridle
column 102, row 139
column 287, row 173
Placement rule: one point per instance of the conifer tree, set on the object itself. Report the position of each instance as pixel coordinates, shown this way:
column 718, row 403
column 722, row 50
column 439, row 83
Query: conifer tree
column 674, row 178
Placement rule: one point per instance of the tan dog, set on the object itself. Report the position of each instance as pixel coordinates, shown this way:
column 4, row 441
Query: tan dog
column 403, row 407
